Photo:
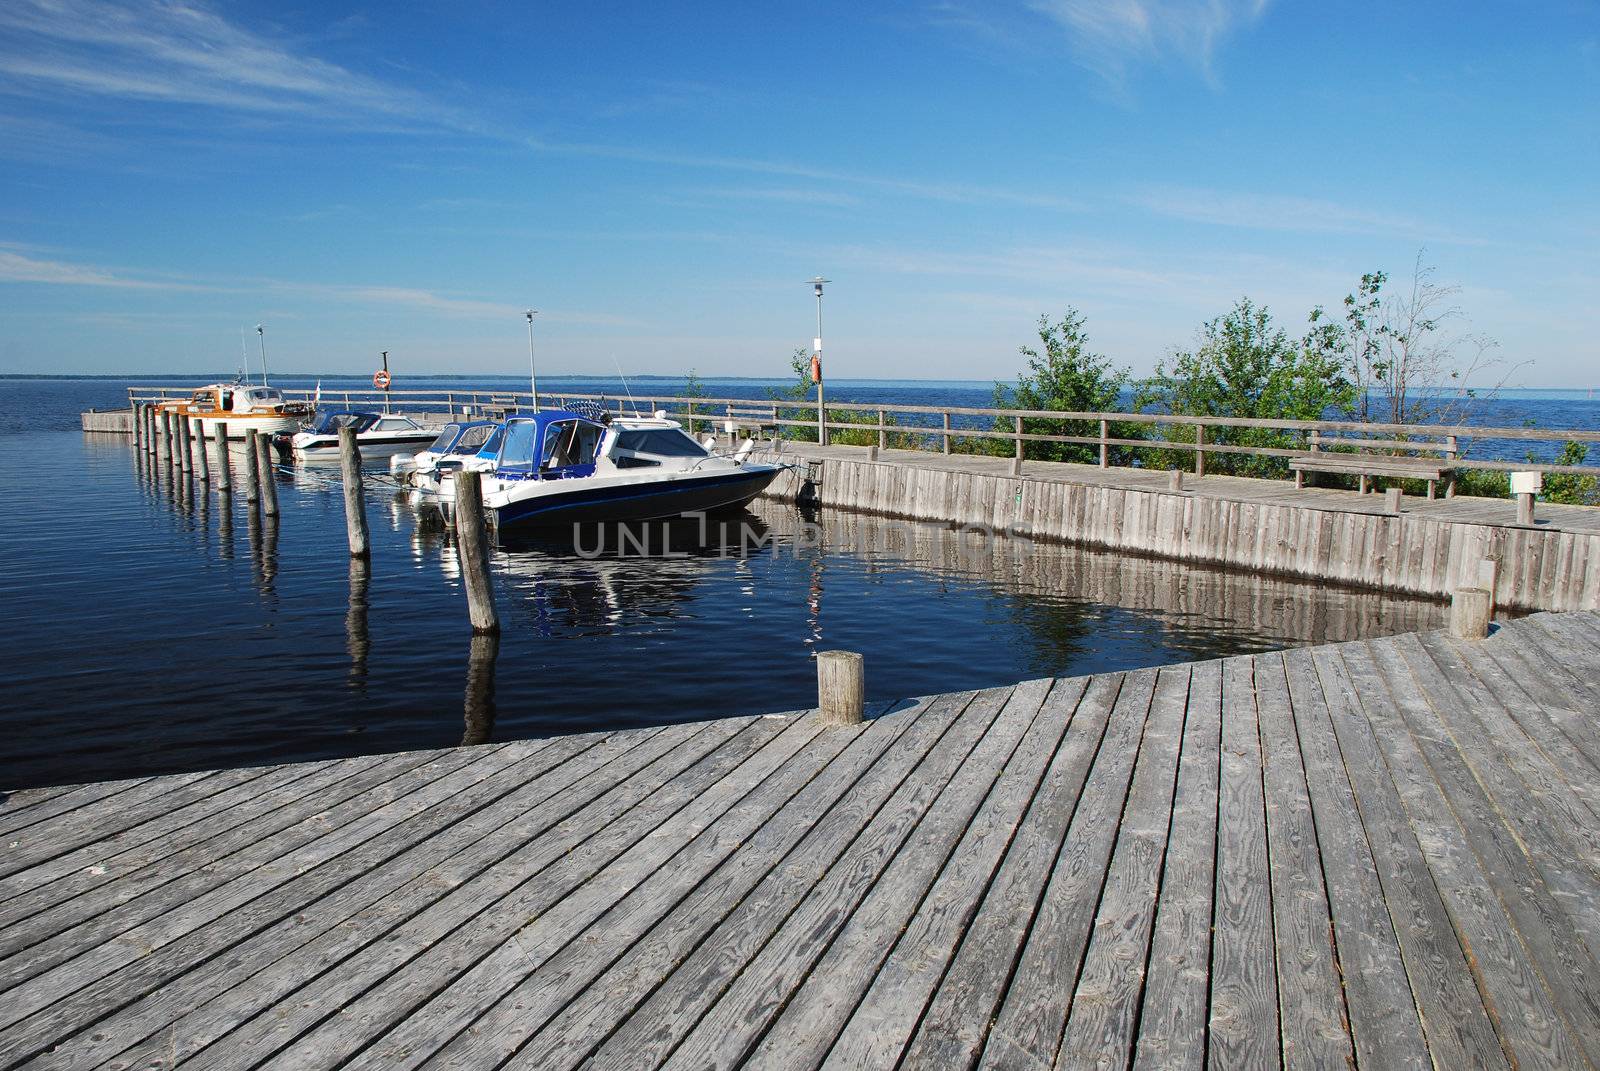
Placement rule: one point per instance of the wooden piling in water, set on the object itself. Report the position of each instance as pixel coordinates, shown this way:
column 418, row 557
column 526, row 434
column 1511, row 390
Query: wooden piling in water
column 1471, row 610
column 252, row 481
column 200, row 451
column 149, row 416
column 355, row 511
column 841, row 687
column 185, row 446
column 472, row 543
column 164, row 436
column 138, row 427
column 224, row 470
column 269, row 485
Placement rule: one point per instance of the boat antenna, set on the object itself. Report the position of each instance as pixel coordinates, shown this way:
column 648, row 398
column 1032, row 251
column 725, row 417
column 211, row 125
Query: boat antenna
column 244, row 351
column 625, row 388
column 533, row 377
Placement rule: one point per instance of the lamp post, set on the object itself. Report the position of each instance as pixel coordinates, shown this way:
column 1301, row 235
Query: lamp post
column 533, row 378
column 816, row 363
column 261, row 332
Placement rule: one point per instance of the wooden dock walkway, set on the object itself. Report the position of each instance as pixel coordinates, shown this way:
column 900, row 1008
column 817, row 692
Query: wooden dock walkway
column 1382, row 853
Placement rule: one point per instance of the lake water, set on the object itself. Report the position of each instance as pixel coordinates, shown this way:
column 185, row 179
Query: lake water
column 154, row 626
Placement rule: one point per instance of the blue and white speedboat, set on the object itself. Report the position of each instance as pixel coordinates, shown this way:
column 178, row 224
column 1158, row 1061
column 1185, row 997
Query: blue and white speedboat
column 457, row 443
column 564, row 467
column 377, row 434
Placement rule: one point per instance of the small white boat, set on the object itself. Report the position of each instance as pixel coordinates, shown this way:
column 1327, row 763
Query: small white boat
column 564, row 467
column 459, row 441
column 236, row 408
column 377, row 434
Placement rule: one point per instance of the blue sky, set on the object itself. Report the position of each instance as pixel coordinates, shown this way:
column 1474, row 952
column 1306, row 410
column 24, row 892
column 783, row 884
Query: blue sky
column 659, row 180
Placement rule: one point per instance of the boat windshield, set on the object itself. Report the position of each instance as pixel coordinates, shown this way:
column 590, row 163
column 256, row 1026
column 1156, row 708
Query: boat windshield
column 473, row 438
column 516, row 451
column 664, row 442
column 330, row 423
column 445, row 439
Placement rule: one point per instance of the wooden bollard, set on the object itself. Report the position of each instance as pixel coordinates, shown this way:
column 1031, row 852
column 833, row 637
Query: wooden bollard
column 148, row 415
column 252, row 481
column 200, row 451
column 355, row 510
column 185, row 448
column 1525, row 509
column 472, row 543
column 269, row 485
column 841, row 687
column 1175, row 480
column 1470, row 612
column 1525, row 485
column 138, row 425
column 224, row 470
column 1391, row 499
column 164, row 436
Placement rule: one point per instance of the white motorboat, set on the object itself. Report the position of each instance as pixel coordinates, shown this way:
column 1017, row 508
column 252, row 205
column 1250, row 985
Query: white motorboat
column 459, row 441
column 236, row 408
column 377, row 434
column 565, row 467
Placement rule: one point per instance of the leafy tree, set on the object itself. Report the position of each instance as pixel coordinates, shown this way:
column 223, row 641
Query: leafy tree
column 1245, row 366
column 1066, row 376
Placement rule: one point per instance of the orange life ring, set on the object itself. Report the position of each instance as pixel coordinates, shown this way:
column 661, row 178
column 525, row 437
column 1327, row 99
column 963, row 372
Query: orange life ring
column 380, row 379
column 816, row 368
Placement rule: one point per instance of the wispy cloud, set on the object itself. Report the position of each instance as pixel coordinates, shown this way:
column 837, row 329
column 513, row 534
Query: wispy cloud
column 1111, row 36
column 20, row 267
column 1280, row 212
column 181, row 53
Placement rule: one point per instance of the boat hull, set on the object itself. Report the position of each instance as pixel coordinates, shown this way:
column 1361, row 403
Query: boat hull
column 237, row 425
column 636, row 501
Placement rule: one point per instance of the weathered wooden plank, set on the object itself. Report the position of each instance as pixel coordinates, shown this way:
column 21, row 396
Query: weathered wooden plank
column 1172, row 1027
column 1106, row 1000
column 375, row 989
column 1244, row 1028
column 844, row 853
column 1031, row 1020
column 263, row 950
column 1311, row 1008
column 725, row 1035
column 867, row 993
column 956, row 1024
column 25, row 807
column 678, row 854
column 74, row 828
column 583, row 991
column 1533, row 1030
column 1384, row 1020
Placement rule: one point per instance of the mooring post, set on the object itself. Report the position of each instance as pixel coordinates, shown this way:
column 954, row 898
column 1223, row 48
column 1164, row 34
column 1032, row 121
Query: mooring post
column 1525, row 485
column 138, row 428
column 269, row 485
column 355, row 510
column 252, row 481
column 224, row 472
column 185, row 450
column 1470, row 612
column 164, row 436
column 472, row 542
column 1175, row 480
column 1391, row 499
column 841, row 687
column 200, row 450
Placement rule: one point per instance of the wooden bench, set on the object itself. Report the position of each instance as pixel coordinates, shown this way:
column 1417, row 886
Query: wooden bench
column 756, row 419
column 1364, row 465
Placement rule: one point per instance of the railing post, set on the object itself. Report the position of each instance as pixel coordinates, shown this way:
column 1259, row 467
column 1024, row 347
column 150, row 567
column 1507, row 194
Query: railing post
column 1199, row 449
column 883, row 440
column 1105, row 447
column 946, row 433
column 1451, row 455
column 1017, row 435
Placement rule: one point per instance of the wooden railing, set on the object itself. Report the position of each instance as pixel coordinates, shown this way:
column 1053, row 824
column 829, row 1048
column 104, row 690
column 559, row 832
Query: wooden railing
column 948, row 426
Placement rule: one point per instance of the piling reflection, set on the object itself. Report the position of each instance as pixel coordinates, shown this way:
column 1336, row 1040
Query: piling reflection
column 225, row 526
column 263, row 537
column 478, row 711
column 358, row 642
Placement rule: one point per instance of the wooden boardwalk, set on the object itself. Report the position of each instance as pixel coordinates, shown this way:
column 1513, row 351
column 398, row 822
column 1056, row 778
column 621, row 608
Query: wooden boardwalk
column 1382, row 853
